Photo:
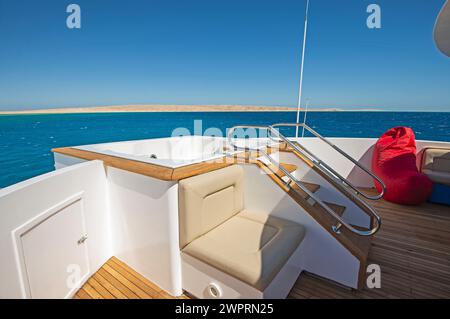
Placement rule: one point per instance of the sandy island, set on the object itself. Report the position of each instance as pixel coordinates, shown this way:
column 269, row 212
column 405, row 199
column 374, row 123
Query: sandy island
column 169, row 108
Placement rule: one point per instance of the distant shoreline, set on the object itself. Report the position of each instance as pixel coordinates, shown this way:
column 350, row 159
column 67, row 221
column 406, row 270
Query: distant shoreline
column 173, row 108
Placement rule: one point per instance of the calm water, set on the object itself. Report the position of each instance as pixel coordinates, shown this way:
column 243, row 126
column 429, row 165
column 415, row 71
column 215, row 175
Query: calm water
column 26, row 140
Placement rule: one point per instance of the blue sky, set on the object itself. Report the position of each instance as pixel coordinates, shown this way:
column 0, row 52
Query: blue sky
column 221, row 52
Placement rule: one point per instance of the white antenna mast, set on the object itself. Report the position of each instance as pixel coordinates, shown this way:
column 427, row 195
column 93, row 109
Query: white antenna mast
column 301, row 69
column 304, row 118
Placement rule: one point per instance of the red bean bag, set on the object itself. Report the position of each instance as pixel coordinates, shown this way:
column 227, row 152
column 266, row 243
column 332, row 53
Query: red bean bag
column 394, row 161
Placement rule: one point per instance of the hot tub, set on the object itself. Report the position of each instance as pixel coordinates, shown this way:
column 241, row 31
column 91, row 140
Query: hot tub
column 171, row 152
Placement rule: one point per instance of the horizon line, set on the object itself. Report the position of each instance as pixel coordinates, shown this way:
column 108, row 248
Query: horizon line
column 184, row 108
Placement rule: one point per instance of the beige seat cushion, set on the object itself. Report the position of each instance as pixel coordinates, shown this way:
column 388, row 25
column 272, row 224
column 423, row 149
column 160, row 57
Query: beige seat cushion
column 207, row 200
column 249, row 246
column 436, row 164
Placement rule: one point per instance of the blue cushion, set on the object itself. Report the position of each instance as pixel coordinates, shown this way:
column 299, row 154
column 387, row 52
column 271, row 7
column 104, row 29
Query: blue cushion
column 441, row 194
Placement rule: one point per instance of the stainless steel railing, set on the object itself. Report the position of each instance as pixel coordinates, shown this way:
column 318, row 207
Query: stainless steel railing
column 318, row 162
column 340, row 221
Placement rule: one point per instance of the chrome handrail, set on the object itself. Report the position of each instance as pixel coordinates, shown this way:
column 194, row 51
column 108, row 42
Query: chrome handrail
column 341, row 222
column 326, row 166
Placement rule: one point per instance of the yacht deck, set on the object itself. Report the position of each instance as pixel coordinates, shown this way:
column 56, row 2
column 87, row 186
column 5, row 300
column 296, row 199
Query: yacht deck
column 116, row 280
column 412, row 249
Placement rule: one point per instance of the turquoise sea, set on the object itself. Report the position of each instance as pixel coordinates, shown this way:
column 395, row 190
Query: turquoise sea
column 26, row 140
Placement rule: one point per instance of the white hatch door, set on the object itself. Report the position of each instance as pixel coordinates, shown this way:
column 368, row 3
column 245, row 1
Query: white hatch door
column 53, row 232
column 56, row 247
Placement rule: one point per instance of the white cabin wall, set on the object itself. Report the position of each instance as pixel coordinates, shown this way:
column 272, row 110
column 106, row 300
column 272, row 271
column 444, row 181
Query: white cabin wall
column 31, row 199
column 360, row 149
column 144, row 224
column 144, row 215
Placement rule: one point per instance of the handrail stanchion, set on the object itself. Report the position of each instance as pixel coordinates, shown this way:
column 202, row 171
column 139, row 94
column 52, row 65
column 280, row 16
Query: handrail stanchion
column 319, row 162
column 341, row 222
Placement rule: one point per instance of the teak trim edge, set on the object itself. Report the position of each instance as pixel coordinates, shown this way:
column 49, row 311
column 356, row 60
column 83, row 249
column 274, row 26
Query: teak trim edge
column 155, row 170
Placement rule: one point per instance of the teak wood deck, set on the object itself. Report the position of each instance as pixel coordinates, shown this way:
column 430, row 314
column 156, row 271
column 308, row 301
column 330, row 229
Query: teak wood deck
column 412, row 248
column 116, row 280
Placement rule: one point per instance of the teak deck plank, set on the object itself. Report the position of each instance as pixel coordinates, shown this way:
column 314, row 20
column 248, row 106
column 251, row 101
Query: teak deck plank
column 272, row 169
column 113, row 290
column 136, row 274
column 104, row 293
column 116, row 283
column 126, row 282
column 116, row 280
column 82, row 294
column 91, row 291
column 338, row 209
column 412, row 249
column 149, row 291
column 311, row 187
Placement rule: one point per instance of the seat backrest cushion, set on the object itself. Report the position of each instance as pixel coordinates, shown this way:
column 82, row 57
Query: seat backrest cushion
column 206, row 201
column 436, row 164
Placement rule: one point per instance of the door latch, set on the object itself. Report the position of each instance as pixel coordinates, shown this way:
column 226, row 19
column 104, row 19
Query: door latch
column 82, row 239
